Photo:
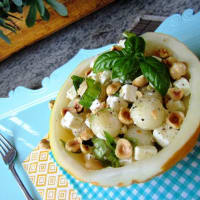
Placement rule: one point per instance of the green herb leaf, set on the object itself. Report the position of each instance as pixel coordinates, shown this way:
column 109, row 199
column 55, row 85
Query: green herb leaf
column 135, row 45
column 107, row 61
column 128, row 34
column 157, row 73
column 17, row 2
column 59, row 8
column 77, row 80
column 46, row 15
column 31, row 17
column 110, row 140
column 104, row 153
column 40, row 6
column 93, row 91
column 4, row 37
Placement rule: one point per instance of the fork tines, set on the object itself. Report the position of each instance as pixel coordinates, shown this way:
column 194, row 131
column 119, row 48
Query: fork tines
column 4, row 145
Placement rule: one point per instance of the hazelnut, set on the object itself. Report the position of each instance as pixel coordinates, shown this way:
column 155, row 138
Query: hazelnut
column 44, row 144
column 124, row 116
column 140, row 81
column 116, row 48
column 175, row 93
column 77, row 106
column 82, row 88
column 87, row 134
column 177, row 70
column 72, row 146
column 68, row 109
column 170, row 60
column 123, row 149
column 113, row 88
column 93, row 164
column 88, row 71
column 175, row 119
column 51, row 104
column 162, row 53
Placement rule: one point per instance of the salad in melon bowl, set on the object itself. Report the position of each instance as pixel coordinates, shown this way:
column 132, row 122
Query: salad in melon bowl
column 128, row 114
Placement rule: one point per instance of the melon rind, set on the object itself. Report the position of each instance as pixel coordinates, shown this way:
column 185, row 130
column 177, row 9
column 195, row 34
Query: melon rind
column 143, row 170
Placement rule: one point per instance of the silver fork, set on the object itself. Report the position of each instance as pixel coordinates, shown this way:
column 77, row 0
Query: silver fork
column 8, row 153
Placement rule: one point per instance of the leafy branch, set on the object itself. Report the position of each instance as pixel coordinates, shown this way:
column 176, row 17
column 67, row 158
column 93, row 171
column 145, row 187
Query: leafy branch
column 8, row 7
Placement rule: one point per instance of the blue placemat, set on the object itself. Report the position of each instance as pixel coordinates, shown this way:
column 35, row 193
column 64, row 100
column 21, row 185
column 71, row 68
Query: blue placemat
column 180, row 182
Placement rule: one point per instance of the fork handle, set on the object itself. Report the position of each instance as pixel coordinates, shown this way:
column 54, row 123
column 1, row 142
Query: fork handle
column 26, row 193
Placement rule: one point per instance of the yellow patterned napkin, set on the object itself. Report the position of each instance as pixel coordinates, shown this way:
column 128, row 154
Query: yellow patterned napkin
column 46, row 176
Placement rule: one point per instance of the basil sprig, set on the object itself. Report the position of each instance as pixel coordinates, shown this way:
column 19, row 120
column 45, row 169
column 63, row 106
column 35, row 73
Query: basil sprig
column 130, row 62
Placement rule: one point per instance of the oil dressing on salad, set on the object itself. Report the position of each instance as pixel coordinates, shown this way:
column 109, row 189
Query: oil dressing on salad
column 128, row 106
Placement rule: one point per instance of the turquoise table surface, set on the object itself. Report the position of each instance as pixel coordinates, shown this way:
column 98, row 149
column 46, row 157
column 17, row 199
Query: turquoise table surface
column 24, row 119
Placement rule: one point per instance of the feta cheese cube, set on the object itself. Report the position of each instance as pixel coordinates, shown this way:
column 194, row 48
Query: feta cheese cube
column 93, row 76
column 183, row 84
column 121, row 43
column 105, row 76
column 95, row 105
column 115, row 103
column 87, row 122
column 128, row 92
column 164, row 135
column 71, row 93
column 82, row 88
column 143, row 152
column 71, row 121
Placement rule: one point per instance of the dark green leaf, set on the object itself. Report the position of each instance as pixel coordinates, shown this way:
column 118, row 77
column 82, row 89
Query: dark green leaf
column 17, row 2
column 4, row 37
column 135, row 45
column 114, row 161
column 77, row 80
column 31, row 17
column 46, row 15
column 107, row 61
column 60, row 8
column 40, row 6
column 157, row 73
column 128, row 34
column 110, row 140
column 93, row 91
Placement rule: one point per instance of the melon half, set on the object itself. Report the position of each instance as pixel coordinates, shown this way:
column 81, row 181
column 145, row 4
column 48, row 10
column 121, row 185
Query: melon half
column 139, row 171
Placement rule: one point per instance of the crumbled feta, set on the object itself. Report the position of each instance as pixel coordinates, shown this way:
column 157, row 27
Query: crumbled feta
column 128, row 92
column 71, row 93
column 105, row 76
column 183, row 84
column 115, row 103
column 95, row 105
column 122, row 43
column 143, row 152
column 87, row 122
column 82, row 88
column 71, row 121
column 93, row 76
column 164, row 135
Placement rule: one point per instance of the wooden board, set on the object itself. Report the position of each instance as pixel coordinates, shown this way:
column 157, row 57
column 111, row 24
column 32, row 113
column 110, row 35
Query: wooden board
column 77, row 9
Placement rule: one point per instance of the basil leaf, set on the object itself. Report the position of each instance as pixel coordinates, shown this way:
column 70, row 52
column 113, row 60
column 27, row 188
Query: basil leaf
column 110, row 140
column 40, row 6
column 46, row 15
column 77, row 80
column 107, row 61
column 114, row 161
column 128, row 34
column 58, row 7
column 157, row 73
column 135, row 45
column 93, row 91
